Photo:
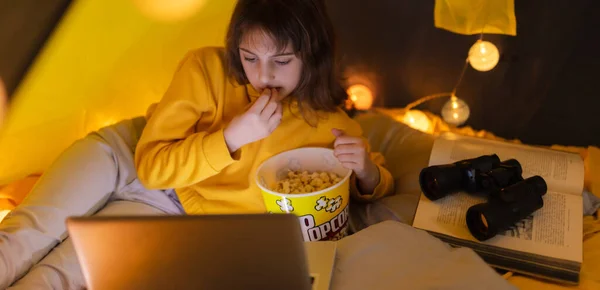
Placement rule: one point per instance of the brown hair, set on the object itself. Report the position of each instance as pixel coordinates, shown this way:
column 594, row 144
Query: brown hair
column 307, row 26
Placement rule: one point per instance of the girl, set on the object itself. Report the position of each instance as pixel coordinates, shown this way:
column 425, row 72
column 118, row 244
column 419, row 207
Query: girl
column 271, row 89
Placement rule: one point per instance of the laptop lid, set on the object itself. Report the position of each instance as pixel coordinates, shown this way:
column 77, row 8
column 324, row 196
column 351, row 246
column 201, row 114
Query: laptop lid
column 252, row 251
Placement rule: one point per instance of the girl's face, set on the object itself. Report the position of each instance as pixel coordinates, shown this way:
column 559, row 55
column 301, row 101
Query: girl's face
column 265, row 67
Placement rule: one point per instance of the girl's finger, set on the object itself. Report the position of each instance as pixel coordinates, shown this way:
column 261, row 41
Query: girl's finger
column 344, row 139
column 348, row 158
column 347, row 149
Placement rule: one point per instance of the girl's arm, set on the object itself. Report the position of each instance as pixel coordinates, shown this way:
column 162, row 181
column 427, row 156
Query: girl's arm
column 377, row 182
column 371, row 180
column 179, row 146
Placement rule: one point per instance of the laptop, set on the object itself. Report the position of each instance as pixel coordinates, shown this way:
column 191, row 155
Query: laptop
column 251, row 251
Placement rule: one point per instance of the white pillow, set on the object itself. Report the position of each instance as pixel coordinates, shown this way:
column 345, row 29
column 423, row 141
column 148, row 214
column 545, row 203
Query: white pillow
column 392, row 255
column 406, row 152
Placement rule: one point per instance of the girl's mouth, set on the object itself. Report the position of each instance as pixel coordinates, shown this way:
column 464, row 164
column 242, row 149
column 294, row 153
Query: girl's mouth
column 278, row 89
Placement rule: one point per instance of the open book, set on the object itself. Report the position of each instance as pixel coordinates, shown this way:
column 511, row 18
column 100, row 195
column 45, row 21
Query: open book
column 547, row 244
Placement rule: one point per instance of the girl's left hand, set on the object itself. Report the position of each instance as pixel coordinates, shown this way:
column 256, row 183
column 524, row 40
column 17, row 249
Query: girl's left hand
column 352, row 153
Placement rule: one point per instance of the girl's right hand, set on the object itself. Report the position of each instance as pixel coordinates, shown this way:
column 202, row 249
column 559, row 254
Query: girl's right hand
column 255, row 124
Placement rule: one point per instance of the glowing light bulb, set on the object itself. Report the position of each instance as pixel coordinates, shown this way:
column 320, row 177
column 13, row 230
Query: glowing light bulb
column 483, row 55
column 417, row 120
column 361, row 95
column 455, row 111
column 169, row 10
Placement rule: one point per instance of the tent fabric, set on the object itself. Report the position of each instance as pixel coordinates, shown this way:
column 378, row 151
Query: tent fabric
column 107, row 60
column 476, row 16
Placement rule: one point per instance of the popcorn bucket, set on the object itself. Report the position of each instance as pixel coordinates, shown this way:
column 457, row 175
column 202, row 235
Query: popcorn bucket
column 323, row 214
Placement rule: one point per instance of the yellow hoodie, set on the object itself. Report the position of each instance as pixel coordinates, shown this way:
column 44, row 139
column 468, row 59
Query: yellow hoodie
column 183, row 146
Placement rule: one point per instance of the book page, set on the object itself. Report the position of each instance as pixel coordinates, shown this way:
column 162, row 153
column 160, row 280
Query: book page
column 562, row 171
column 555, row 230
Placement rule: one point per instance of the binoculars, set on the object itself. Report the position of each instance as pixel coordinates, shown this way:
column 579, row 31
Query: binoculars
column 510, row 197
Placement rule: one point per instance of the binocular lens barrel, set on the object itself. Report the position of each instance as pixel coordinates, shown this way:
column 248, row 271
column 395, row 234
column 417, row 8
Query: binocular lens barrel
column 437, row 181
column 514, row 164
column 441, row 180
column 509, row 172
column 512, row 204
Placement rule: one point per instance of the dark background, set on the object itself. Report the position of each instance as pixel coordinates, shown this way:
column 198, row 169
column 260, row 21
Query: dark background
column 543, row 90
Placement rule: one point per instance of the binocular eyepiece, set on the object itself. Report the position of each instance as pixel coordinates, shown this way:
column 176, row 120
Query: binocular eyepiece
column 479, row 174
column 511, row 198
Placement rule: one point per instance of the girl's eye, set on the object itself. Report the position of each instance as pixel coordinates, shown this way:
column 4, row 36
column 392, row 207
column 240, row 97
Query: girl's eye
column 250, row 59
column 282, row 62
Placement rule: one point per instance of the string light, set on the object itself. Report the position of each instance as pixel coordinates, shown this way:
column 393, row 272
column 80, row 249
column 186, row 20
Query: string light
column 483, row 55
column 417, row 120
column 361, row 96
column 455, row 111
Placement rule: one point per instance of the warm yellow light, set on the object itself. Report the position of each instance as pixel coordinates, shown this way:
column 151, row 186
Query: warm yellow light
column 361, row 95
column 169, row 10
column 108, row 122
column 3, row 213
column 483, row 55
column 417, row 120
column 455, row 111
